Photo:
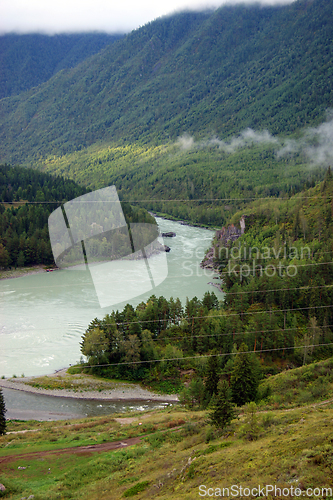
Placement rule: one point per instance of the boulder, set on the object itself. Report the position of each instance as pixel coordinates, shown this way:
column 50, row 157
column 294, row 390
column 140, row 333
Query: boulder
column 170, row 234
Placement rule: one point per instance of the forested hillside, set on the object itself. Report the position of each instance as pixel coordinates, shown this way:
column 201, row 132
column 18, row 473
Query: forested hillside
column 27, row 198
column 202, row 183
column 277, row 278
column 202, row 73
column 283, row 264
column 28, row 60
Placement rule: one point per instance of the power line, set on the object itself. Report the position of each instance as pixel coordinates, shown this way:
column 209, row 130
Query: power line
column 190, row 337
column 265, row 311
column 194, row 318
column 280, row 289
column 181, row 200
column 206, row 356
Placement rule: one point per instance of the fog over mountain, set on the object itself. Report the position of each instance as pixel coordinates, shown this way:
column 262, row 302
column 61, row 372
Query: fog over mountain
column 316, row 143
column 71, row 16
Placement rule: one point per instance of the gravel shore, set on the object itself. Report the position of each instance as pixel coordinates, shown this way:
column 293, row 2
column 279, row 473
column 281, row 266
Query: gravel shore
column 117, row 392
column 7, row 274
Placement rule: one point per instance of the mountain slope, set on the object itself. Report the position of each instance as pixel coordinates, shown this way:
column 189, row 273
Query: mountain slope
column 203, row 73
column 26, row 61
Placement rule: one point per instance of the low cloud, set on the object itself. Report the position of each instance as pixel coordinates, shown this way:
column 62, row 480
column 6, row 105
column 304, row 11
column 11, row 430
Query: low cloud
column 185, row 142
column 246, row 138
column 315, row 143
column 24, row 16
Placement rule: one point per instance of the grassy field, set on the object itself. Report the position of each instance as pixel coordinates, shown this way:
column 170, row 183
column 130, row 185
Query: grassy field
column 170, row 453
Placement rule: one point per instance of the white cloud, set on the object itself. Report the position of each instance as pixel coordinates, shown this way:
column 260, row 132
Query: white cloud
column 185, row 142
column 315, row 143
column 245, row 138
column 101, row 15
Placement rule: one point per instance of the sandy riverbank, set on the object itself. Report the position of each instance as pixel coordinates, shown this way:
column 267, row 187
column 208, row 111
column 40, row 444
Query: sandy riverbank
column 85, row 387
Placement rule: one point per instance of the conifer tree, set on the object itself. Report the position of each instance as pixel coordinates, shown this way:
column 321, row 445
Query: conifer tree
column 2, row 414
column 328, row 178
column 223, row 408
column 212, row 375
column 244, row 377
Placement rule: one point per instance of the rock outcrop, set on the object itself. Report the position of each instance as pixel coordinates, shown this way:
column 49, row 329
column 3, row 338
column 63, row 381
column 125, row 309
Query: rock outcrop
column 223, row 237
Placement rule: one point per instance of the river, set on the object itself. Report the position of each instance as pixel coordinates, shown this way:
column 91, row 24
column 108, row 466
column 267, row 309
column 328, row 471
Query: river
column 43, row 316
column 27, row 406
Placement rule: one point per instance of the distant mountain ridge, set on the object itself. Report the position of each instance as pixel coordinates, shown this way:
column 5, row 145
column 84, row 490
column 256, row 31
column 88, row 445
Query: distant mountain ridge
column 214, row 72
column 28, row 60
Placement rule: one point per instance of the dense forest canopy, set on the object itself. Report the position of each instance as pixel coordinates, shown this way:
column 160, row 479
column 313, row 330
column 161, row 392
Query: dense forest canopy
column 24, row 235
column 200, row 184
column 28, row 60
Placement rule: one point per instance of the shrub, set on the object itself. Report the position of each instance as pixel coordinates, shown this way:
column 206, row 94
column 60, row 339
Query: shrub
column 134, row 490
column 156, row 440
column 191, row 428
column 264, row 392
column 267, row 420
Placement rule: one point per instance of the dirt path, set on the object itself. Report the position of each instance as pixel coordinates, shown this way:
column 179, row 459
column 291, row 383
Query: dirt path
column 95, row 448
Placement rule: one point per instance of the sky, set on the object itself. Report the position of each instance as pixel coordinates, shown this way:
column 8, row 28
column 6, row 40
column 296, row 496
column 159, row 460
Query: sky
column 63, row 16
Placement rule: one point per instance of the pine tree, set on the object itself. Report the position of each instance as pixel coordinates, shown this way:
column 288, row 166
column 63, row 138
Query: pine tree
column 2, row 415
column 244, row 377
column 223, row 408
column 212, row 378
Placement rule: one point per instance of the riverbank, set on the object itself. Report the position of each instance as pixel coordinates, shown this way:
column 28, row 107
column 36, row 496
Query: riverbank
column 84, row 387
column 19, row 272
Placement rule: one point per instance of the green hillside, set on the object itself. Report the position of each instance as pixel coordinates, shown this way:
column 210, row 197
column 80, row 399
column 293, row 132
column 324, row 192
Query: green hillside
column 290, row 448
column 27, row 198
column 159, row 175
column 200, row 73
column 28, row 60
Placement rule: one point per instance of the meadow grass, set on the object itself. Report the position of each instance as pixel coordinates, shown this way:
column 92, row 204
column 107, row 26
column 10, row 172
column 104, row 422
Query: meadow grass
column 292, row 447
